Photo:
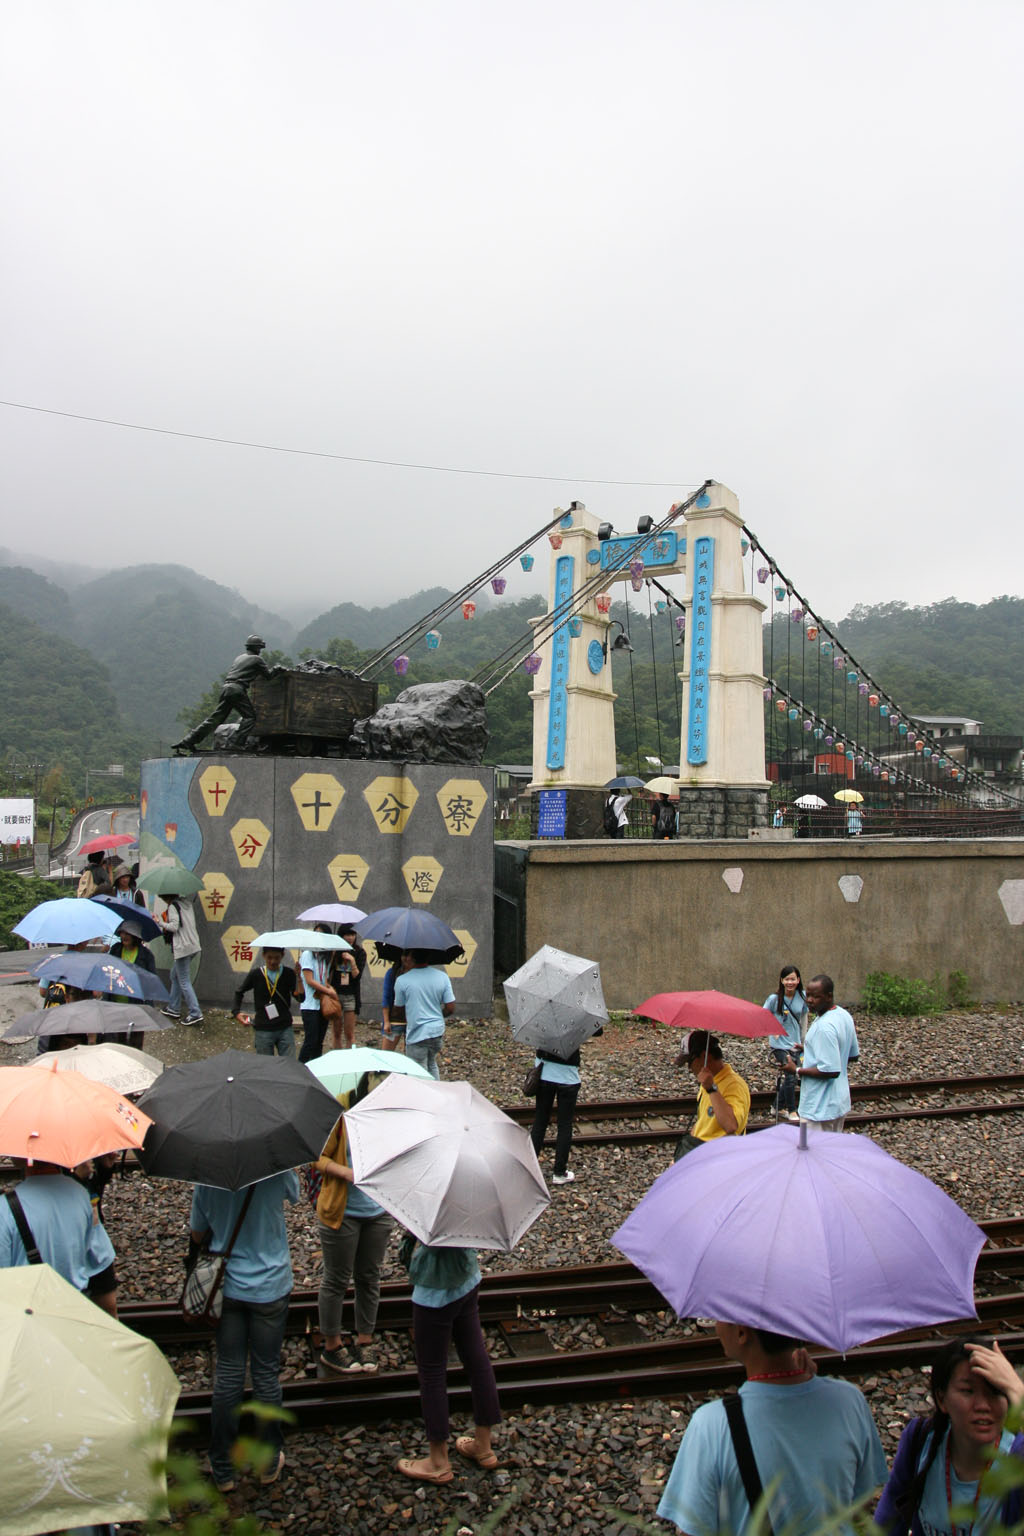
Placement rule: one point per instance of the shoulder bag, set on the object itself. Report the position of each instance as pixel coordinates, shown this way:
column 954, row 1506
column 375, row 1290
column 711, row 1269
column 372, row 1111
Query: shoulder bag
column 202, row 1299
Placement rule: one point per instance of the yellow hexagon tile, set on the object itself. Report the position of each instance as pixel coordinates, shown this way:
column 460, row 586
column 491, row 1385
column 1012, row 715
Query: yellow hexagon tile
column 317, row 797
column 422, row 876
column 347, row 872
column 217, row 785
column 461, row 966
column 237, row 942
column 215, row 895
column 461, row 801
column 377, row 968
column 250, row 838
column 391, row 798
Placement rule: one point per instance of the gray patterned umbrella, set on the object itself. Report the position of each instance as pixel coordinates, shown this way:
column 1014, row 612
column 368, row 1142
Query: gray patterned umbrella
column 555, row 1001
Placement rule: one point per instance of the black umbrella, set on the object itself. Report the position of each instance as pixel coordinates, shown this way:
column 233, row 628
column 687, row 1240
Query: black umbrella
column 412, row 928
column 129, row 911
column 91, row 1016
column 234, row 1119
column 625, row 781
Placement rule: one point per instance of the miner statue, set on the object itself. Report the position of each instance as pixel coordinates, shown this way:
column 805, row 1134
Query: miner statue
column 234, row 695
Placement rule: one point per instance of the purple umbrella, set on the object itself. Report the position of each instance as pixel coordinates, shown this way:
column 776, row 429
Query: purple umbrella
column 822, row 1237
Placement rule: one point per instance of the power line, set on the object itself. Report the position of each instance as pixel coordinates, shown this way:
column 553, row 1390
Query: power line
column 343, row 458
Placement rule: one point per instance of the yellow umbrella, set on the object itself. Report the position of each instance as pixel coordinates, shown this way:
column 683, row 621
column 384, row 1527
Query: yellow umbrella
column 85, row 1409
column 849, row 794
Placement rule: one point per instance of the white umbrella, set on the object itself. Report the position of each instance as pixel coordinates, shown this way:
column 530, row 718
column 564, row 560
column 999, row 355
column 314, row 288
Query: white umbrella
column 298, row 938
column 555, row 1001
column 121, row 1067
column 447, row 1163
column 811, row 803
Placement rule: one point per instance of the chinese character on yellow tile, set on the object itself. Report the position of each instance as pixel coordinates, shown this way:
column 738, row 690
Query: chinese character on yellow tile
column 237, row 942
column 217, row 891
column 377, row 967
column 460, row 966
column 347, row 872
column 217, row 784
column 250, row 838
column 422, row 876
column 391, row 799
column 317, row 797
column 461, row 802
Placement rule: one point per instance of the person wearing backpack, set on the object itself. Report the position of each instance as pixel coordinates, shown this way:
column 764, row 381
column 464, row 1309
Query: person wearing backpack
column 95, row 877
column 616, row 813
column 180, row 929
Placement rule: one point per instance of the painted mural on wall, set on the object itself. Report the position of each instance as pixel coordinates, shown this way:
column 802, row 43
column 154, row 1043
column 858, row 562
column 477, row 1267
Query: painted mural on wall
column 270, row 836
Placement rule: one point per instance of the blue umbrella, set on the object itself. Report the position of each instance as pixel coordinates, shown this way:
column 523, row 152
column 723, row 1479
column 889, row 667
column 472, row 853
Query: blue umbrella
column 102, row 973
column 625, row 781
column 410, row 928
column 148, row 926
column 66, row 920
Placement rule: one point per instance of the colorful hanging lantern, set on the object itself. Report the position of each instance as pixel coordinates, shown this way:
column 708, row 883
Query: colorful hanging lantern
column 862, row 689
column 637, row 583
column 883, row 710
column 531, row 663
column 780, row 705
column 812, row 631
column 849, row 757
column 885, row 775
column 797, row 615
column 680, row 622
column 851, row 677
column 468, row 609
column 604, row 601
column 818, row 733
column 744, row 546
column 904, row 727
column 780, row 594
column 794, row 714
column 808, row 725
column 661, row 605
column 433, row 639
column 839, row 663
column 636, row 574
column 499, row 583
column 526, row 561
column 575, row 627
column 829, row 740
column 927, row 752
column 762, row 574
column 555, row 540
column 401, row 665
column 873, row 700
column 919, row 746
column 876, row 770
column 826, row 647
column 766, row 693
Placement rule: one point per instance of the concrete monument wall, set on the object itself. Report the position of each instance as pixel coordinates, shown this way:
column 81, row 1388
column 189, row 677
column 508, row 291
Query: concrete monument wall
column 271, row 836
column 667, row 917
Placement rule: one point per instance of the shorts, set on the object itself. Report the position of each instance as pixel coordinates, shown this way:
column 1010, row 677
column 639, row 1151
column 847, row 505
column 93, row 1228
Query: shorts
column 347, row 999
column 396, row 1029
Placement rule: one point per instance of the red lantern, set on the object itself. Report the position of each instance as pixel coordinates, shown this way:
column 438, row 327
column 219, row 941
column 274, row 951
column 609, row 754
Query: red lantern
column 468, row 609
column 604, row 602
column 555, row 540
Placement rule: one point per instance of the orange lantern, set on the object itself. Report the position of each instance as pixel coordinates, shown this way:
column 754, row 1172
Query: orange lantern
column 781, row 706
column 873, row 700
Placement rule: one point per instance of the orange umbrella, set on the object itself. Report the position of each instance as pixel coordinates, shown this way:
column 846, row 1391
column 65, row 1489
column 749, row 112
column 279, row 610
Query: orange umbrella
column 63, row 1118
column 716, row 1012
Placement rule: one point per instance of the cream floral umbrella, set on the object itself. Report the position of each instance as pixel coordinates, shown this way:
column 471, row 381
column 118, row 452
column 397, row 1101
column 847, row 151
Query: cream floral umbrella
column 85, row 1409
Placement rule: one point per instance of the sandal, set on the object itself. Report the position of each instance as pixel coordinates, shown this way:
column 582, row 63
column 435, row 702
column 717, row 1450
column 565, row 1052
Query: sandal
column 409, row 1467
column 466, row 1446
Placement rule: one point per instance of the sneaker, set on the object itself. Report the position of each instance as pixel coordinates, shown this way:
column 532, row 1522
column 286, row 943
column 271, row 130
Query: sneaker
column 339, row 1361
column 193, row 1018
column 273, row 1472
column 227, row 1486
column 563, row 1178
column 793, row 1117
column 170, row 1013
column 364, row 1354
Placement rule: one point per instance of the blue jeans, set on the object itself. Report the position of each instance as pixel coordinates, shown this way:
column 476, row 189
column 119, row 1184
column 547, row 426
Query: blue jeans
column 253, row 1330
column 425, row 1052
column 181, row 987
column 267, row 1041
column 314, row 1027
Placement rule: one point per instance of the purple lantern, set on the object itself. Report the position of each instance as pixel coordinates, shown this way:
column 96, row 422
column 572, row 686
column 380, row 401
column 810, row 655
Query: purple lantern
column 636, row 567
column 839, row 662
column 763, row 574
column 862, row 689
column 637, row 583
column 401, row 665
column 808, row 725
column 766, row 693
column 797, row 615
column 526, row 561
column 829, row 740
column 531, row 663
column 680, row 622
column 499, row 584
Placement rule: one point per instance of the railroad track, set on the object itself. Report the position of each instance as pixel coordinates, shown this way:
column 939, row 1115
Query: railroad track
column 665, row 1368
column 519, row 1301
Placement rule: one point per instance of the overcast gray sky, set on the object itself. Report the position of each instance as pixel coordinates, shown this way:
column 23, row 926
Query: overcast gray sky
column 779, row 245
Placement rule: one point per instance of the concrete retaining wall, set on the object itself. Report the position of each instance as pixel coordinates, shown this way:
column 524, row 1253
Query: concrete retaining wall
column 271, row 836
column 680, row 916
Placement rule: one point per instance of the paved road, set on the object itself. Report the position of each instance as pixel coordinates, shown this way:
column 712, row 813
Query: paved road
column 98, row 823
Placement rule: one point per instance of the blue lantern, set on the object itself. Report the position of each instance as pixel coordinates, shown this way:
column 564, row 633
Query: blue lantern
column 433, row 638
column 575, row 627
column 526, row 561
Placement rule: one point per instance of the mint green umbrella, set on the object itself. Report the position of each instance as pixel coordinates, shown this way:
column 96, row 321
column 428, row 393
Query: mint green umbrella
column 340, row 1071
column 169, row 880
column 298, row 938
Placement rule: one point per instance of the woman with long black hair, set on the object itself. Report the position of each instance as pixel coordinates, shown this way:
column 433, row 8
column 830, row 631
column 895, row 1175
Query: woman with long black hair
column 789, row 1004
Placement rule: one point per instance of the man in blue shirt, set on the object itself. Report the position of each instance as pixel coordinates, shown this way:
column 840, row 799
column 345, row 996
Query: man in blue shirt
column 829, row 1046
column 812, row 1436
column 68, row 1233
column 425, row 992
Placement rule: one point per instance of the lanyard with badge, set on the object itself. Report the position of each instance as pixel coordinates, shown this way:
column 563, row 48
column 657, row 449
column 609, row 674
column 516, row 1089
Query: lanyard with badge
column 271, row 1009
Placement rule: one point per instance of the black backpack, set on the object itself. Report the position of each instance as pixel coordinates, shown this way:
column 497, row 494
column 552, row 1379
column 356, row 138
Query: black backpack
column 610, row 819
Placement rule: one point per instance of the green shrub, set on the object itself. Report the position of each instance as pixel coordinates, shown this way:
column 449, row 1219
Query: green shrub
column 958, row 990
column 18, row 895
column 885, row 993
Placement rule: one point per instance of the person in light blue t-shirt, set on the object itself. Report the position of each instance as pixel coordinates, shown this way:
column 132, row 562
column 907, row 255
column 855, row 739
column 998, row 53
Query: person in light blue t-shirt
column 425, row 992
column 812, row 1436
column 789, row 1005
column 829, row 1047
column 257, row 1287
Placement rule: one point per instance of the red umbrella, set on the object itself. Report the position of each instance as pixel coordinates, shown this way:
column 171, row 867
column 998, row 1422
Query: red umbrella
column 714, row 1011
column 111, row 840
